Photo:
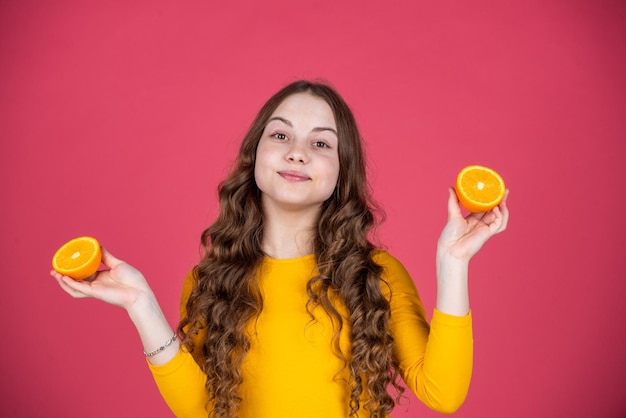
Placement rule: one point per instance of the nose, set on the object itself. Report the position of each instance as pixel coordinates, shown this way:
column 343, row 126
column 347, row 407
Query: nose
column 297, row 154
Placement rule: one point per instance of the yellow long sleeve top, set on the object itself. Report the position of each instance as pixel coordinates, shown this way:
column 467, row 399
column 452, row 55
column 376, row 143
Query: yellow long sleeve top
column 291, row 369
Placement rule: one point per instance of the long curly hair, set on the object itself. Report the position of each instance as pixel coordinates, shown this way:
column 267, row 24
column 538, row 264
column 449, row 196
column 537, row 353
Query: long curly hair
column 226, row 295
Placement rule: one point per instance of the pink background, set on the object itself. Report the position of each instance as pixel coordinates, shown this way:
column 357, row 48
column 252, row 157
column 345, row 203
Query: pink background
column 118, row 119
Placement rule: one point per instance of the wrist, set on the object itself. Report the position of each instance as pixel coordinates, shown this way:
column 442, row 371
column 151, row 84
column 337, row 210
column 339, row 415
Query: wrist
column 452, row 285
column 448, row 255
column 144, row 308
column 451, row 266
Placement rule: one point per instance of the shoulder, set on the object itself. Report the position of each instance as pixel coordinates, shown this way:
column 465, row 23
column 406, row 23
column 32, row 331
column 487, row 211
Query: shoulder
column 388, row 262
column 394, row 274
column 188, row 285
column 190, row 282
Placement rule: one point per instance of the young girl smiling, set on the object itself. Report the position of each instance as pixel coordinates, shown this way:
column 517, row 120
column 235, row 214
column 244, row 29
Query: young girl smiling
column 293, row 311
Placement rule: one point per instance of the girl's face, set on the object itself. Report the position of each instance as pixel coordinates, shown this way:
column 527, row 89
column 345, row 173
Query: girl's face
column 297, row 160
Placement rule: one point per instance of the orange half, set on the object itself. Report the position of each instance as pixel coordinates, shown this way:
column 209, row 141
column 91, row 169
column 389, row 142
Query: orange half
column 479, row 188
column 78, row 258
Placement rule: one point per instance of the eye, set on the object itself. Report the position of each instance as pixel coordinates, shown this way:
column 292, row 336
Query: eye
column 321, row 144
column 279, row 136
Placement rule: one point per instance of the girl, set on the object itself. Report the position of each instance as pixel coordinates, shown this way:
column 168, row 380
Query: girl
column 292, row 311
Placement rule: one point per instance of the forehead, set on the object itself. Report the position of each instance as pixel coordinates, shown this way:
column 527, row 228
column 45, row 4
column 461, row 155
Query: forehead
column 306, row 108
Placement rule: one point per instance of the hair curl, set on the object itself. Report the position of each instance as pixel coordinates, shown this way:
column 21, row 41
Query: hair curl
column 226, row 295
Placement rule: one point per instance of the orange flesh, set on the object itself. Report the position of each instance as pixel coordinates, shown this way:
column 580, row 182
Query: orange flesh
column 79, row 258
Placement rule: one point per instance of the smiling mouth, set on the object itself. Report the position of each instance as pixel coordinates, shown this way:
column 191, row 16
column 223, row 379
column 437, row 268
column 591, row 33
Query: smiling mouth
column 293, row 176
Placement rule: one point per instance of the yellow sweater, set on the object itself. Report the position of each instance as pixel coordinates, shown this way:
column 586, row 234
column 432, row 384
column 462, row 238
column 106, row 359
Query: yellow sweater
column 291, row 371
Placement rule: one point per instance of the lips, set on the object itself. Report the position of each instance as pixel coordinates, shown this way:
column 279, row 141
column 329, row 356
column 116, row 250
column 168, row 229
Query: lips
column 294, row 176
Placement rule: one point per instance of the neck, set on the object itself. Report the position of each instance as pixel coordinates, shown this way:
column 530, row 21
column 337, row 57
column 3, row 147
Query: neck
column 289, row 234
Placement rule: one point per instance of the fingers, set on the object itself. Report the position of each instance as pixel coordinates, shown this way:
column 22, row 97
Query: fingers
column 505, row 209
column 454, row 210
column 497, row 219
column 109, row 260
column 82, row 288
column 69, row 285
column 494, row 220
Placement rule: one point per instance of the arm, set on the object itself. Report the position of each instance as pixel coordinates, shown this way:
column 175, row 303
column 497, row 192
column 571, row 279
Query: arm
column 460, row 240
column 124, row 286
column 179, row 379
column 182, row 382
column 436, row 360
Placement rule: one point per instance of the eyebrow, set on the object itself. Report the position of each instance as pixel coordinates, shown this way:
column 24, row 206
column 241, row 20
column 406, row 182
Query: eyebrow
column 316, row 129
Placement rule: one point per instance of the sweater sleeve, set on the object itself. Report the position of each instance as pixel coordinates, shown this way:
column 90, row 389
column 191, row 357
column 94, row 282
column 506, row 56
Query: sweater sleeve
column 435, row 359
column 181, row 381
column 182, row 385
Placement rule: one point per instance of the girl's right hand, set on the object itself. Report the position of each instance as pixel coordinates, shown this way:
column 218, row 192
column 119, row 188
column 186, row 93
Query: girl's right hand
column 121, row 285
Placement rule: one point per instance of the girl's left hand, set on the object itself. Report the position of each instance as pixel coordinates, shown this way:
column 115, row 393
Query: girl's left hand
column 461, row 238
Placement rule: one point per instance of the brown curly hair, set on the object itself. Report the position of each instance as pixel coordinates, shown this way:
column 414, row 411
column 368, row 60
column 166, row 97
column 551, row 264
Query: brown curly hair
column 226, row 295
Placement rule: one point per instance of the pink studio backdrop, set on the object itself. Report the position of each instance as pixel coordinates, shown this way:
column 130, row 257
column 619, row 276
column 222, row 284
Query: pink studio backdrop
column 118, row 119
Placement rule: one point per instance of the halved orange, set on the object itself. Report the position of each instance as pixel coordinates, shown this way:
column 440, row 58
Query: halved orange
column 479, row 188
column 78, row 258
